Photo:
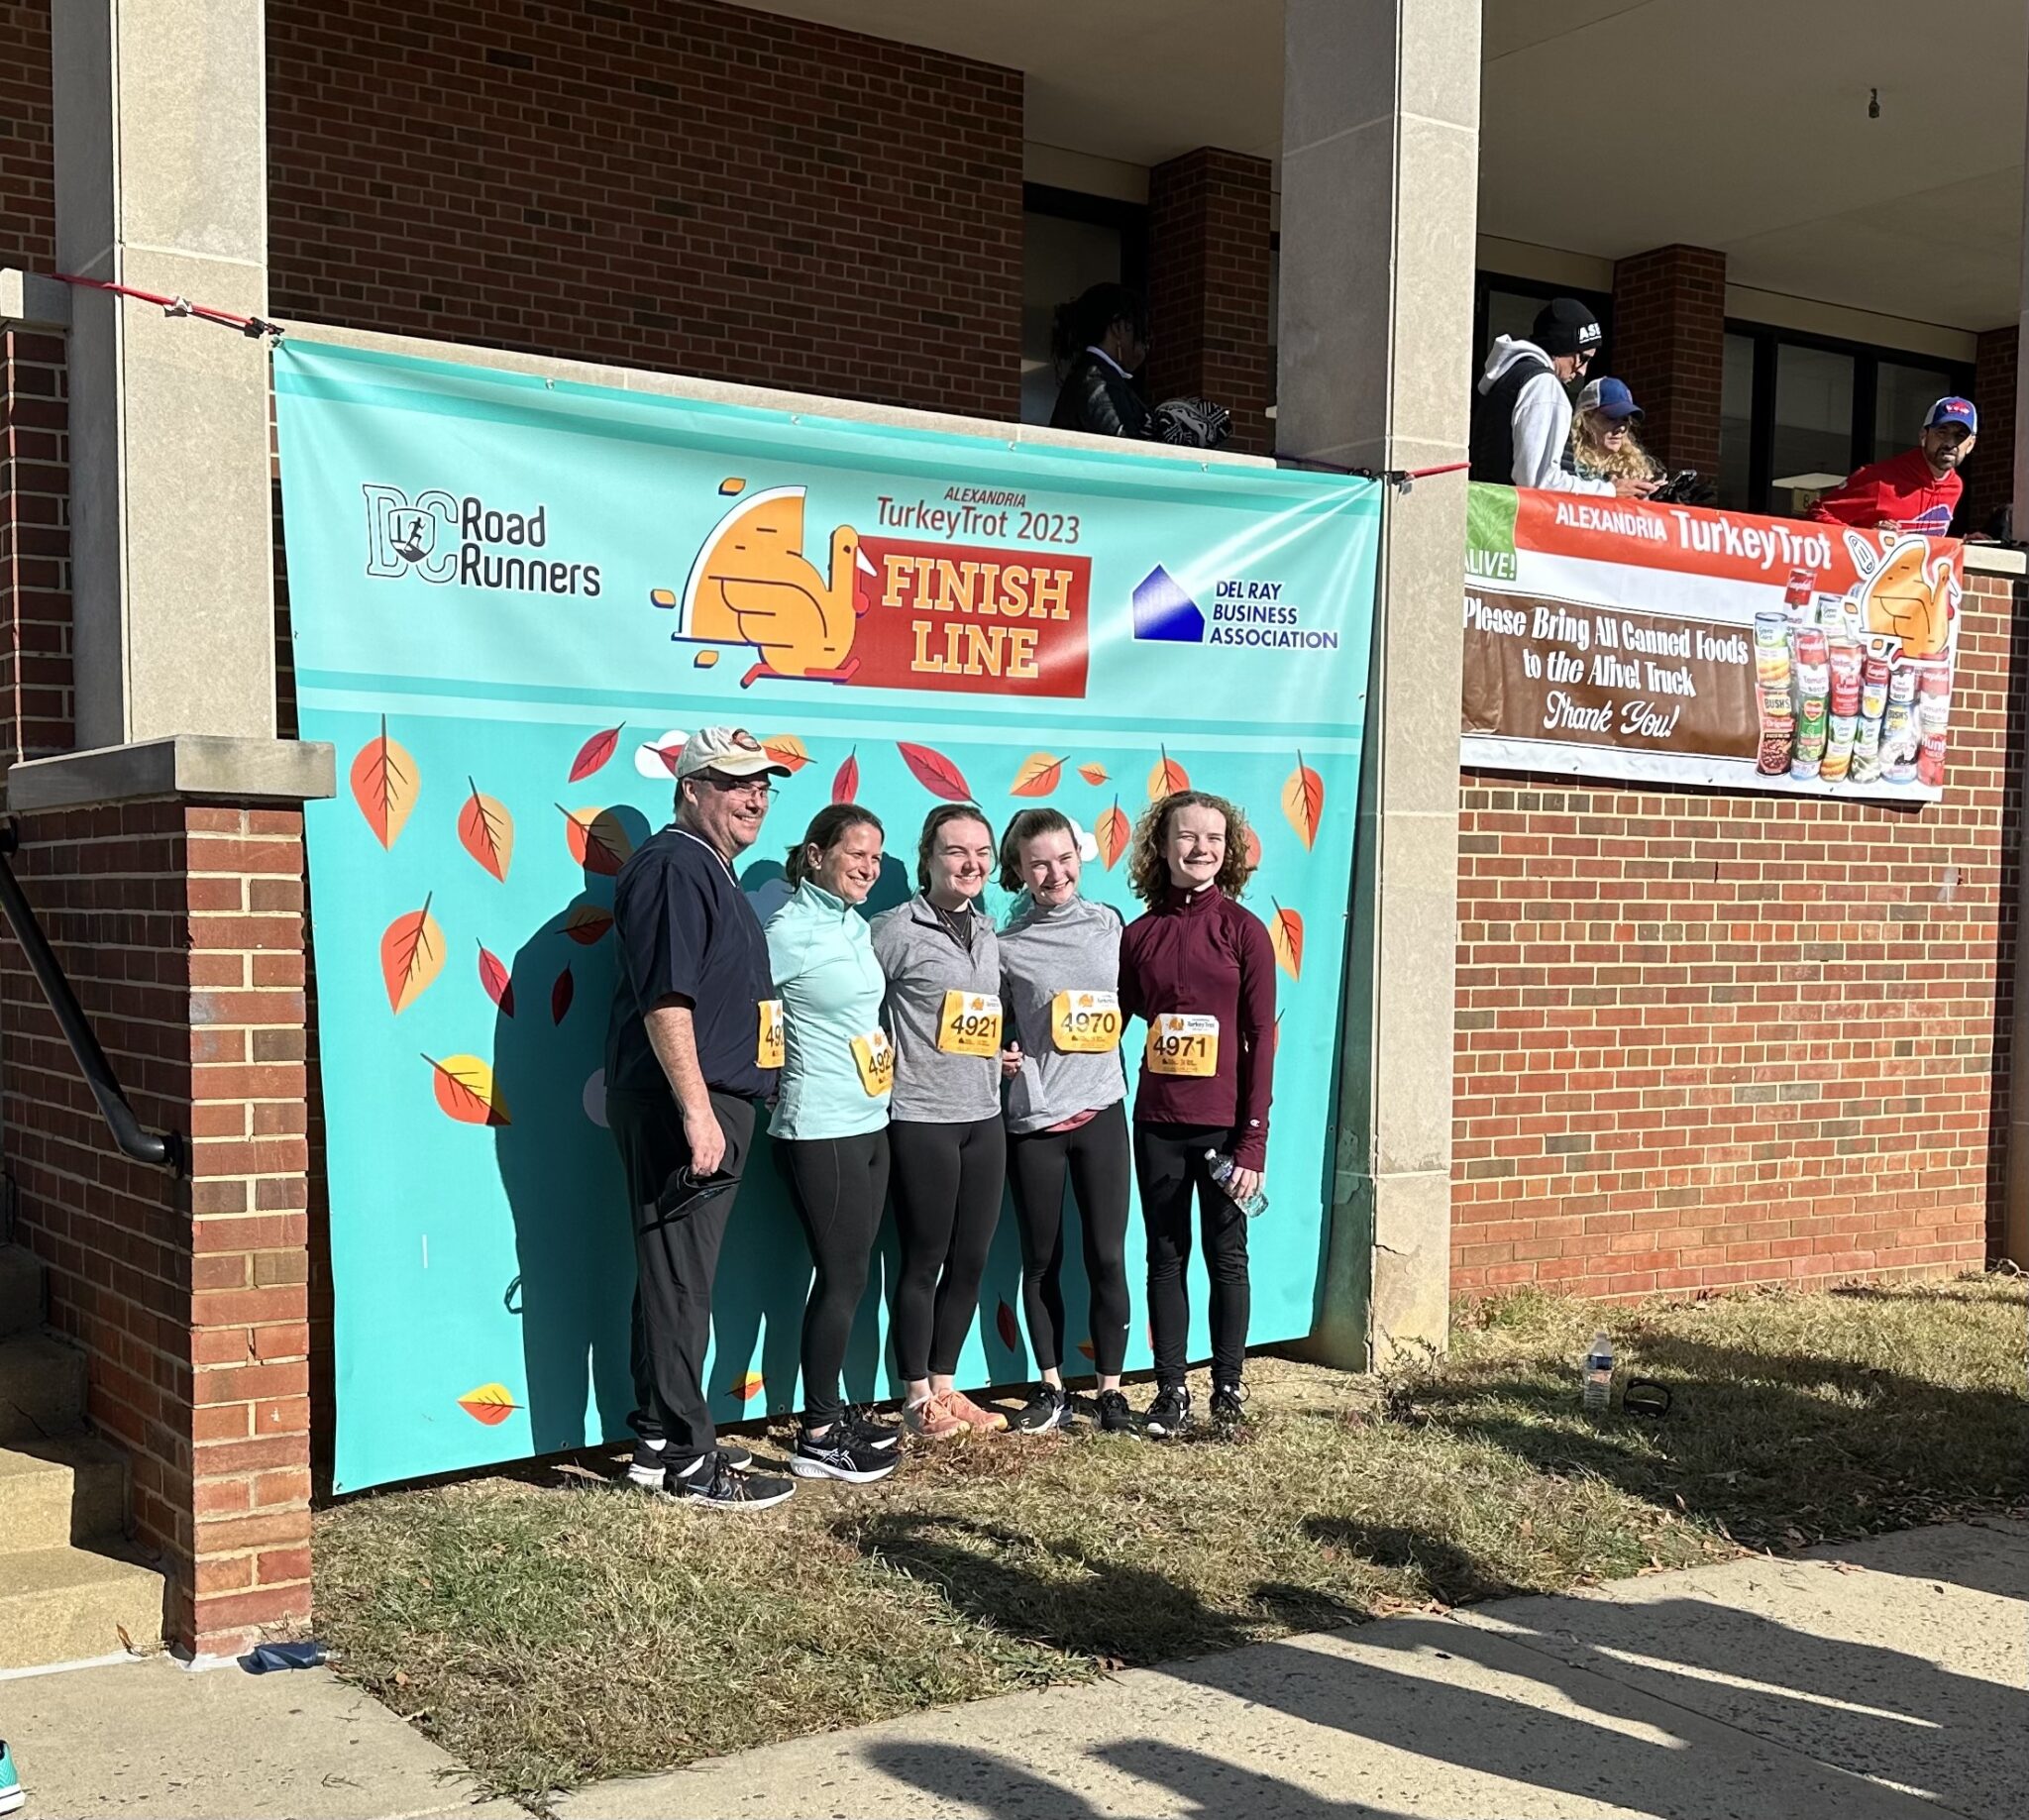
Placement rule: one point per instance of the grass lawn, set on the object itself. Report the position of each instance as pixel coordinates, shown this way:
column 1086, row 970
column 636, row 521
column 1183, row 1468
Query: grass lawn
column 549, row 1631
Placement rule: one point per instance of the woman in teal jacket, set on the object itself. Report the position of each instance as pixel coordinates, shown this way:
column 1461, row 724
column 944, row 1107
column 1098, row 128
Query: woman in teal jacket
column 830, row 1119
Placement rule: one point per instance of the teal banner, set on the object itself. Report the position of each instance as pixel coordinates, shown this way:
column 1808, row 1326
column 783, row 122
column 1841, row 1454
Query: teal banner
column 511, row 597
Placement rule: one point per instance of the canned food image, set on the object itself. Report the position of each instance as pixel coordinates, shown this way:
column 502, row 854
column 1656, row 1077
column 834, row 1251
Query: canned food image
column 1810, row 644
column 1930, row 760
column 1902, row 683
column 1801, row 582
column 1772, row 628
column 1811, row 713
column 1866, row 766
column 1900, row 768
column 1802, row 769
column 1774, row 756
column 1811, row 742
column 1874, row 698
column 1837, row 763
column 1777, row 704
column 1845, row 691
column 1875, row 669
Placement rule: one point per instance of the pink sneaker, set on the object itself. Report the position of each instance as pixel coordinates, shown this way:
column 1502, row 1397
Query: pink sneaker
column 979, row 1420
column 933, row 1420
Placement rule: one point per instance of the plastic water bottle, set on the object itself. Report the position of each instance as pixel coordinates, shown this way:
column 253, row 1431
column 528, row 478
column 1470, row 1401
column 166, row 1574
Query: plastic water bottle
column 1599, row 1374
column 1255, row 1206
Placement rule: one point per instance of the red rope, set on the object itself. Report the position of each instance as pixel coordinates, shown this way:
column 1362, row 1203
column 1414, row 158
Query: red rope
column 251, row 326
column 1423, row 474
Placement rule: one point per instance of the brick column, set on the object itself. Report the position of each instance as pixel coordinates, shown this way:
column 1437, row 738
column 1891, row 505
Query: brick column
column 1207, row 287
column 1669, row 344
column 1990, row 475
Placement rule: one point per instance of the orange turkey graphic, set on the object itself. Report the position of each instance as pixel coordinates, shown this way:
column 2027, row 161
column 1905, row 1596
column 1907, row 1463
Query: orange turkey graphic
column 1903, row 592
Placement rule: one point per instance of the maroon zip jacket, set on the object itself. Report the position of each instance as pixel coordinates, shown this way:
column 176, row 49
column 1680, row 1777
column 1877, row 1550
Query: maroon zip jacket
column 1200, row 952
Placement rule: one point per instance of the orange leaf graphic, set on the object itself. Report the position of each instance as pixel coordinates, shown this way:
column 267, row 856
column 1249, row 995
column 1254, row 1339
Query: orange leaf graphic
column 705, row 660
column 491, row 1404
column 787, row 749
column 486, row 831
column 1286, row 936
column 1093, row 774
column 411, row 956
column 497, row 981
column 1253, row 850
column 597, row 841
column 1167, row 777
column 386, row 785
column 845, row 786
column 1303, row 800
column 466, row 1090
column 593, row 755
column 586, row 923
column 1085, row 1346
column 747, row 1387
column 1038, row 776
column 560, row 995
column 1004, row 1325
column 934, row 772
column 1112, row 834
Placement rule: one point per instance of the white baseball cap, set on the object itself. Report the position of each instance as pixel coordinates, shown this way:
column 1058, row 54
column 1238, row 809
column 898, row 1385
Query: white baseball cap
column 733, row 752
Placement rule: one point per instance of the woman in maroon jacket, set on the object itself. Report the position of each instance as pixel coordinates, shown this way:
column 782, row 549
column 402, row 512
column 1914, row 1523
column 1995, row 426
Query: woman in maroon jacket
column 1201, row 971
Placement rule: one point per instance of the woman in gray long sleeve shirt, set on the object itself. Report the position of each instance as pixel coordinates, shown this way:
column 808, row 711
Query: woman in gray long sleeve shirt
column 1066, row 1109
column 945, row 1138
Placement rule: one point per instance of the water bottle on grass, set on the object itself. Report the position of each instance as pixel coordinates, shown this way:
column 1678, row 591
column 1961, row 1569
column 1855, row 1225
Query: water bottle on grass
column 1598, row 1374
column 1221, row 1165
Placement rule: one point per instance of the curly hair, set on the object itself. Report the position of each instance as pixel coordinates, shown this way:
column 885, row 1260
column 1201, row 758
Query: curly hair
column 1025, row 826
column 828, row 827
column 1591, row 458
column 1148, row 870
column 935, row 819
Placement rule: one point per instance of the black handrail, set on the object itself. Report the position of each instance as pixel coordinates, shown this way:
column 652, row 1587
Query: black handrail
column 163, row 1150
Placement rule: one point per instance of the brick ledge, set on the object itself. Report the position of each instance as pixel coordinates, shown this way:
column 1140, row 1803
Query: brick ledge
column 206, row 767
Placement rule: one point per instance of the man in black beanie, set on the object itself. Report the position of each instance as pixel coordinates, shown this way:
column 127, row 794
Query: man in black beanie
column 1521, row 411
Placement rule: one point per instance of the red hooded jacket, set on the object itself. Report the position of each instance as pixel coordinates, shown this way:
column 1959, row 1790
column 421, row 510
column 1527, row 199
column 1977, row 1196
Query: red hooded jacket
column 1901, row 488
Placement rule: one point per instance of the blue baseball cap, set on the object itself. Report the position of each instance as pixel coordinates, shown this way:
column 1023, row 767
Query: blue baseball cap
column 1610, row 398
column 1952, row 411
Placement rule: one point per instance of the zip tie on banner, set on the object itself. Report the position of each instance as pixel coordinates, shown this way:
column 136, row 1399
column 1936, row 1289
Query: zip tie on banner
column 253, row 327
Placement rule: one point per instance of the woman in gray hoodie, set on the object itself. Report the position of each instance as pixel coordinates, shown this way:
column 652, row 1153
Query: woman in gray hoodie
column 1060, row 957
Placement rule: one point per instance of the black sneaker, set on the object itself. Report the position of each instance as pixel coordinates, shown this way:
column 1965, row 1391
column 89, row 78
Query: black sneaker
column 867, row 1431
column 715, row 1482
column 1045, row 1412
column 646, row 1473
column 1229, row 1408
column 1170, row 1414
column 1116, row 1417
column 841, row 1454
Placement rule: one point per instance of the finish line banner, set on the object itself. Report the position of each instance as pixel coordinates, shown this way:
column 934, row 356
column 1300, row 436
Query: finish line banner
column 1613, row 638
column 511, row 597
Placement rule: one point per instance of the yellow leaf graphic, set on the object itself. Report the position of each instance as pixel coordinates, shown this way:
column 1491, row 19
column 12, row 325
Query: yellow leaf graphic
column 385, row 784
column 1112, row 834
column 1038, row 775
column 1303, row 800
column 746, row 1388
column 466, row 1090
column 1093, row 774
column 491, row 1404
column 1167, row 777
column 411, row 956
column 787, row 749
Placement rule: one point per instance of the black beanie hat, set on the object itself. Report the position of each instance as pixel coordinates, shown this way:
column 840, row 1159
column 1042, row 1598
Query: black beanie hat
column 1565, row 326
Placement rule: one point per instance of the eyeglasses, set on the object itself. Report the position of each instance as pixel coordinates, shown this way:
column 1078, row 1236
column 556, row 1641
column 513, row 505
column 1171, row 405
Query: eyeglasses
column 738, row 787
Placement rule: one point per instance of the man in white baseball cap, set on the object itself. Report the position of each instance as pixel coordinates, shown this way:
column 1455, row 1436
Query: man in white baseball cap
column 693, row 1045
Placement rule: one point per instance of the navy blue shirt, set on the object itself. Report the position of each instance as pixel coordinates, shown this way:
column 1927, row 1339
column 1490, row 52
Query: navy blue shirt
column 685, row 927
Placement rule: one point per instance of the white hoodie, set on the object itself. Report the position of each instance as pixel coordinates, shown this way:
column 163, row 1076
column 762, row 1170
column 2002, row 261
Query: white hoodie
column 1542, row 422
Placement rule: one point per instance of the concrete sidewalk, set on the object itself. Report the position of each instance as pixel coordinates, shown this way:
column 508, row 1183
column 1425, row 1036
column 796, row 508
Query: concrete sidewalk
column 1880, row 1682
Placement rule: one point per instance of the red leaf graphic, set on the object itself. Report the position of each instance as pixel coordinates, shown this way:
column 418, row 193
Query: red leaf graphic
column 1038, row 775
column 593, row 754
column 1112, row 834
column 747, row 1386
column 1286, row 937
column 385, row 784
column 499, row 984
column 934, row 772
column 845, row 786
column 1303, row 800
column 1004, row 1322
column 1085, row 1346
column 560, row 995
column 1253, row 850
column 587, row 924
column 411, row 956
column 491, row 1404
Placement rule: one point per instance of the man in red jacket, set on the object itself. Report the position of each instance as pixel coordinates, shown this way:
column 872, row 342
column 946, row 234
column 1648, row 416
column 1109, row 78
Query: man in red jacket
column 1918, row 490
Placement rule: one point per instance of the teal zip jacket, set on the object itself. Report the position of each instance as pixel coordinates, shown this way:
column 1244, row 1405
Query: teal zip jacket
column 831, row 988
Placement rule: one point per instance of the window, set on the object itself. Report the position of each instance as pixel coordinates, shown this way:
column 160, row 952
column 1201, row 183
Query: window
column 1069, row 242
column 1795, row 409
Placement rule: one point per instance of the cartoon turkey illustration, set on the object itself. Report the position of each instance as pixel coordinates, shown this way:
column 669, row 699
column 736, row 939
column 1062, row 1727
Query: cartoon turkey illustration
column 1904, row 592
column 753, row 584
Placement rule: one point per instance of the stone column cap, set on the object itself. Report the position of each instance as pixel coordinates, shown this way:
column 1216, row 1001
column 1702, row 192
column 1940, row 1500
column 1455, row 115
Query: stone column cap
column 212, row 767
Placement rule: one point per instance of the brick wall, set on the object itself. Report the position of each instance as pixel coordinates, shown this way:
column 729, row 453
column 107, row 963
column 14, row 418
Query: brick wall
column 681, row 185
column 28, row 184
column 1207, row 287
column 1990, row 475
column 180, row 928
column 1707, row 1039
column 35, row 547
column 1669, row 344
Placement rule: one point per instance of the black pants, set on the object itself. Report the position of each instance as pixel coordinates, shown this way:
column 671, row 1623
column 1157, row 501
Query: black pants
column 948, row 1182
column 678, row 1226
column 1095, row 1156
column 839, row 1186
column 1169, row 1160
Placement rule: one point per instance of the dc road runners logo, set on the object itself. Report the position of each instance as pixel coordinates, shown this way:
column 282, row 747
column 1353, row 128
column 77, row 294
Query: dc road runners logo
column 1243, row 612
column 445, row 538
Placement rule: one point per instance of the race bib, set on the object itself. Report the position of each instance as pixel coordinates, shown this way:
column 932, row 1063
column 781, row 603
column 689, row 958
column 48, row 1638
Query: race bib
column 874, row 1056
column 1086, row 1022
column 768, row 1051
column 970, row 1023
column 1179, row 1043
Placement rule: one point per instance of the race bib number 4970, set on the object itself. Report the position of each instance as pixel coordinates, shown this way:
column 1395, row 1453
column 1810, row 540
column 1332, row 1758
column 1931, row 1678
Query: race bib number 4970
column 1086, row 1022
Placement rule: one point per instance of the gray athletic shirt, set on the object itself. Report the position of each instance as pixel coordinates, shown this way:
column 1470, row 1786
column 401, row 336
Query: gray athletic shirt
column 922, row 961
column 1072, row 947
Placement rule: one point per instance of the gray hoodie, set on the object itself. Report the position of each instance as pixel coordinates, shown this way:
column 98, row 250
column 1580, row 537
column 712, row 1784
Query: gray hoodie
column 1542, row 421
column 922, row 962
column 1072, row 947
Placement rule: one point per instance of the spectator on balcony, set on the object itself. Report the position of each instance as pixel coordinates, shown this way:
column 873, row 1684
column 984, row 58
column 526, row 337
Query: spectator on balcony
column 1099, row 340
column 1522, row 411
column 1916, row 491
column 1604, row 446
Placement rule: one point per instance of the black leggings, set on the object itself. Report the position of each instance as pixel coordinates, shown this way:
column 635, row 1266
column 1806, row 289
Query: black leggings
column 1096, row 1157
column 839, row 1186
column 948, row 1180
column 1169, row 1159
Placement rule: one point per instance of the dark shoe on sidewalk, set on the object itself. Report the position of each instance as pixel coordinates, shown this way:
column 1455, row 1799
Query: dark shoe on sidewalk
column 1169, row 1415
column 1047, row 1412
column 714, row 1481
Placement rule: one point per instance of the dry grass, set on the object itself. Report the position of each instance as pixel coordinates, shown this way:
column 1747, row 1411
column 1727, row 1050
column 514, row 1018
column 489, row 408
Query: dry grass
column 555, row 1633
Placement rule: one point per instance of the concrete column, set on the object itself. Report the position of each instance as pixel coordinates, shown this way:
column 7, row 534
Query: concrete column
column 1380, row 146
column 2021, row 423
column 160, row 154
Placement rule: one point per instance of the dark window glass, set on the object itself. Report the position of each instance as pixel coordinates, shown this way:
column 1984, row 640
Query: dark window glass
column 1812, row 445
column 1902, row 394
column 1737, row 422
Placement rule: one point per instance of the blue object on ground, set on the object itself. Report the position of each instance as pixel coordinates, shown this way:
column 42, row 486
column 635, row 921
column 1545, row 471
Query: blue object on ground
column 265, row 1658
